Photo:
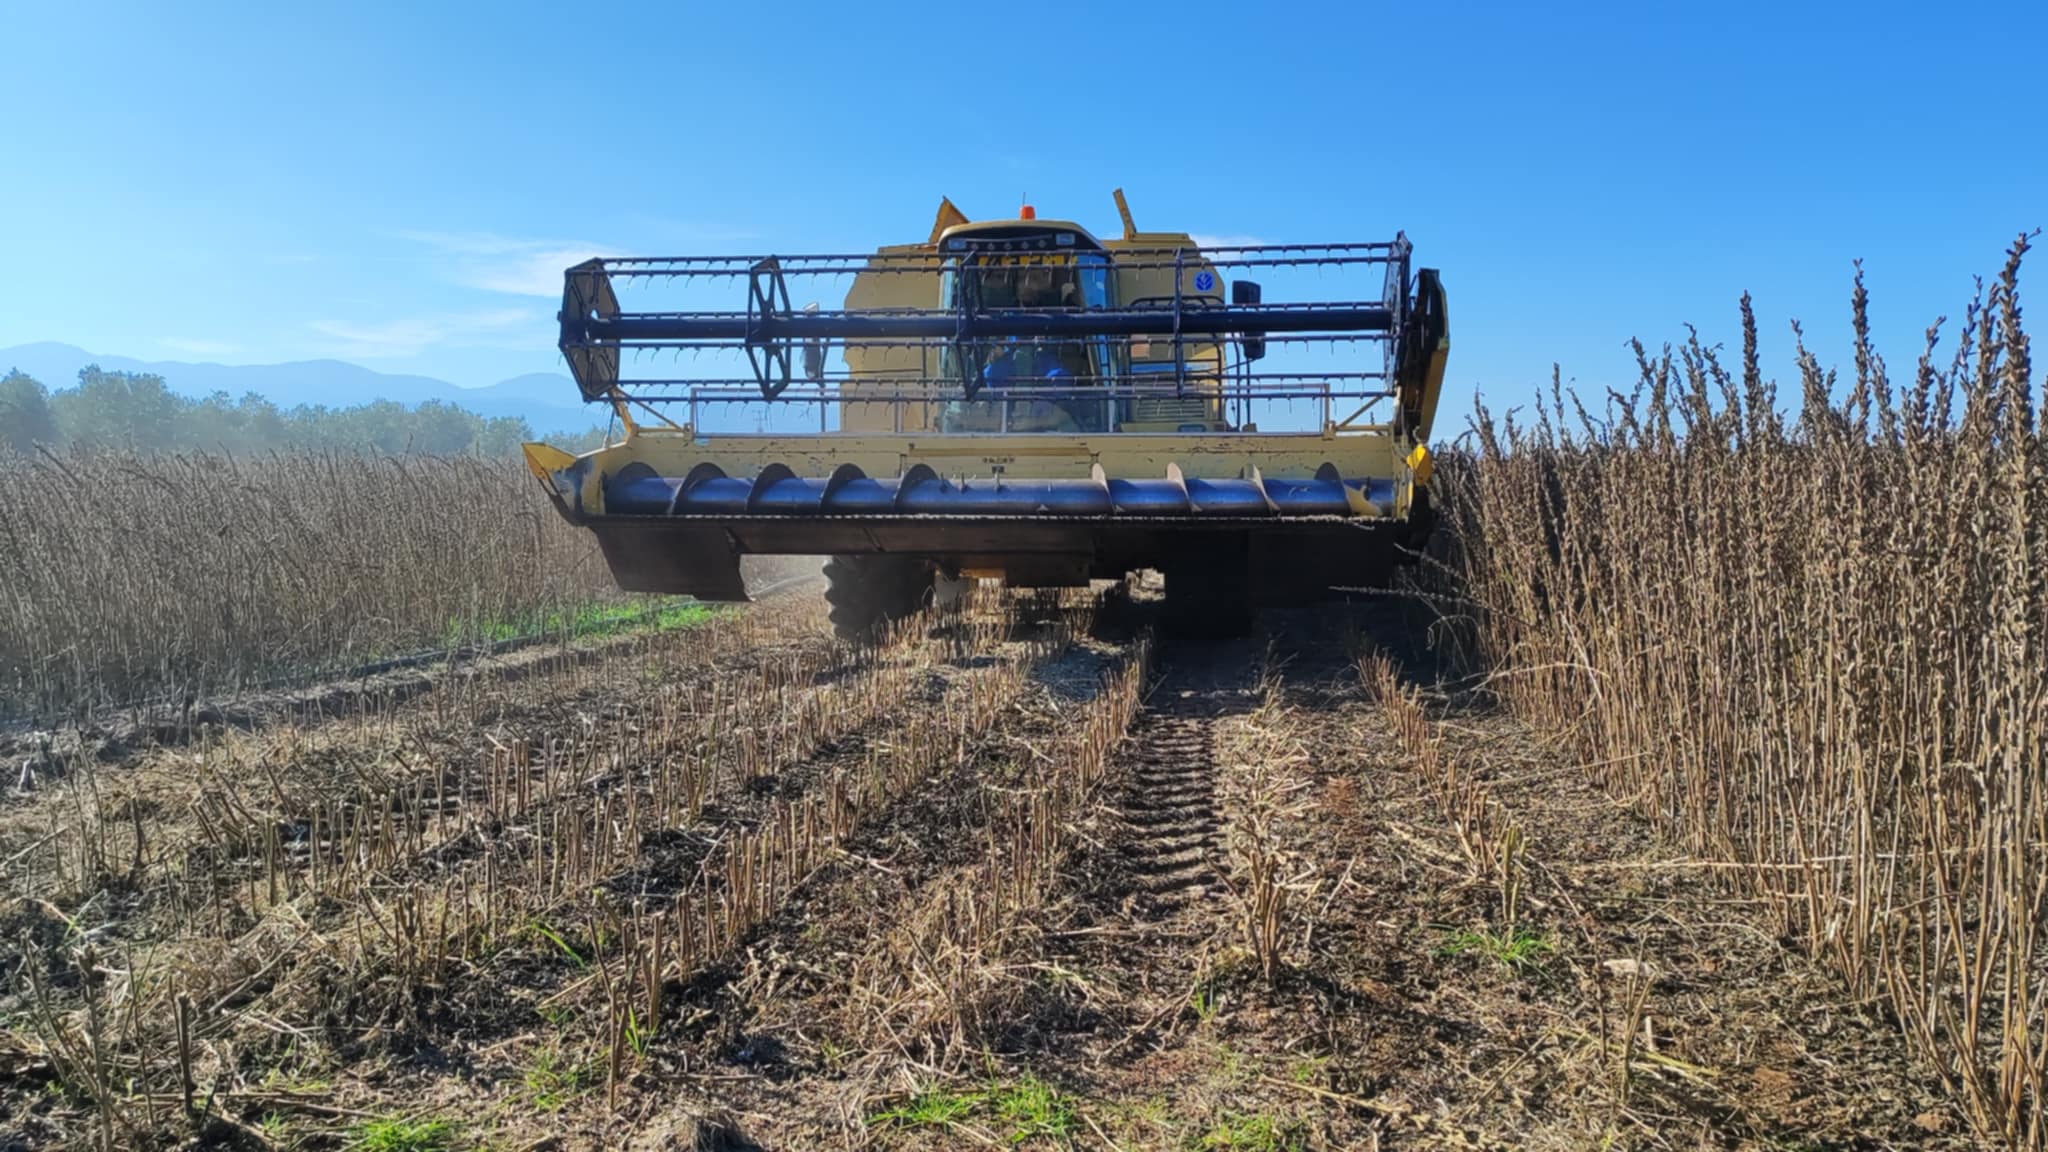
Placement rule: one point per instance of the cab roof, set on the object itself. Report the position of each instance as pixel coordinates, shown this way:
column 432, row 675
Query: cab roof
column 1016, row 229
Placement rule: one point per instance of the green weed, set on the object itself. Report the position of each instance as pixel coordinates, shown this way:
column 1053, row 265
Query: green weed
column 1519, row 950
column 558, row 941
column 1308, row 1069
column 639, row 1036
column 1025, row 1110
column 552, row 1082
column 932, row 1108
column 1204, row 997
column 1031, row 1108
column 832, row 1054
column 279, row 1080
column 395, row 1134
column 1232, row 1065
column 1251, row 1132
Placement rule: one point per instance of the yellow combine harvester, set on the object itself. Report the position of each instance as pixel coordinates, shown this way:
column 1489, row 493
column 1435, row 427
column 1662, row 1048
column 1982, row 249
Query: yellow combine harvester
column 1010, row 398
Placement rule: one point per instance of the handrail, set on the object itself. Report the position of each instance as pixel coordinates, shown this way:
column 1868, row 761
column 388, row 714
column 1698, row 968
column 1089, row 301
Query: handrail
column 698, row 399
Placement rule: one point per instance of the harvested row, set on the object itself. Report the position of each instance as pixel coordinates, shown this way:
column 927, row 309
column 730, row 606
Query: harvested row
column 918, row 944
column 371, row 897
column 333, row 736
column 1488, row 836
column 941, row 971
column 348, row 800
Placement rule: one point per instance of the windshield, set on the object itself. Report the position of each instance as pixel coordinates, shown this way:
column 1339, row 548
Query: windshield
column 1032, row 385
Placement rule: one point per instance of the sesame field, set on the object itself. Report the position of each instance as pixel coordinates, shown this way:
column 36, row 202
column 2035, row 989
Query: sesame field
column 1690, row 793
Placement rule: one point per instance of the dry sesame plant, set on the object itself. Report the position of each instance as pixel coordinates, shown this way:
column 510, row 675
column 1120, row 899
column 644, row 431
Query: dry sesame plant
column 125, row 577
column 1811, row 650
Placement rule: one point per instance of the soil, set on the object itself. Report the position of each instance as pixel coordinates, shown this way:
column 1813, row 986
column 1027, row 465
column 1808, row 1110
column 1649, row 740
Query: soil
column 1256, row 924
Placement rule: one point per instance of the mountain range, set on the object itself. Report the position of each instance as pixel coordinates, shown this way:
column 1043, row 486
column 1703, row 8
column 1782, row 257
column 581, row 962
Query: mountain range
column 546, row 400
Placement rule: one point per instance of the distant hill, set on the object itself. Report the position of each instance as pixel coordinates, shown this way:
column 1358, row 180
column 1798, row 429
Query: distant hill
column 546, row 400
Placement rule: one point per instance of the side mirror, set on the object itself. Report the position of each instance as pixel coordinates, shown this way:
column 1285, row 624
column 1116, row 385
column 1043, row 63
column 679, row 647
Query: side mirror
column 814, row 353
column 1248, row 292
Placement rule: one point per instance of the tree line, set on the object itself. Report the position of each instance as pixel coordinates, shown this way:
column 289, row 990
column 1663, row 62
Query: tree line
column 136, row 411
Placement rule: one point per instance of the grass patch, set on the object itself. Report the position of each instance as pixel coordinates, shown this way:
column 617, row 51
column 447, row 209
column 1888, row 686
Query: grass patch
column 395, row 1134
column 553, row 1081
column 932, row 1108
column 1024, row 1110
column 1251, row 1132
column 1031, row 1108
column 665, row 614
column 294, row 1083
column 1520, row 950
column 1308, row 1069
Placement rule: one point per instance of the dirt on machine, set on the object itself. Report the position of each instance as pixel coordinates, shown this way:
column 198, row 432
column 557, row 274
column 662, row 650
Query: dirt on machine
column 1015, row 399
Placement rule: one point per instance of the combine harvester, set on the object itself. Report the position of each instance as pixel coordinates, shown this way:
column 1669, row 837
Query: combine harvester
column 1013, row 399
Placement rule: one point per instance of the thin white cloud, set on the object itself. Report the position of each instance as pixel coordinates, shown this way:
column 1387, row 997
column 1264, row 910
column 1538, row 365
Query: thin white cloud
column 398, row 339
column 1226, row 240
column 506, row 264
column 190, row 346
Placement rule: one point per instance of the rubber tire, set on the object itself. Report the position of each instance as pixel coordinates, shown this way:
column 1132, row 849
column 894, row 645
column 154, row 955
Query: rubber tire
column 871, row 591
column 951, row 593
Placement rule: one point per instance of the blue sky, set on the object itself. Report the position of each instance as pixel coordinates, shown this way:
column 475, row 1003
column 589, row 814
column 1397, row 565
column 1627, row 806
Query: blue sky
column 400, row 184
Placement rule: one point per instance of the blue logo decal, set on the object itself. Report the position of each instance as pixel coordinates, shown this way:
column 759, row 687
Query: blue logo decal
column 1205, row 281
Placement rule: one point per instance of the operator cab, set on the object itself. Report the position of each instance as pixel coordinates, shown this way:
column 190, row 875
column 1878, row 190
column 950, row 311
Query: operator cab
column 1029, row 384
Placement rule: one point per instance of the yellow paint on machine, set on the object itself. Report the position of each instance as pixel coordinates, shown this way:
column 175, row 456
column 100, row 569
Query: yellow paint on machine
column 887, row 437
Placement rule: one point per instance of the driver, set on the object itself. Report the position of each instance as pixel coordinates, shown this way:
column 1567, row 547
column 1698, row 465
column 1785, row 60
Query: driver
column 1033, row 363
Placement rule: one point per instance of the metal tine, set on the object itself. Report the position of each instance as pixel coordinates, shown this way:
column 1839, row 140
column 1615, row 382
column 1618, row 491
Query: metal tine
column 1337, row 382
column 807, row 271
column 736, row 392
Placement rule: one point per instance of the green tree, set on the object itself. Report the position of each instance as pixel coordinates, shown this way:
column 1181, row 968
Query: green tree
column 25, row 419
column 502, row 436
column 117, row 409
column 137, row 411
column 442, row 429
column 214, row 423
column 264, row 428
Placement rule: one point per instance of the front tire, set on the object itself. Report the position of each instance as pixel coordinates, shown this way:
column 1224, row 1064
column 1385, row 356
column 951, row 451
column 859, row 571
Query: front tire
column 951, row 593
column 867, row 593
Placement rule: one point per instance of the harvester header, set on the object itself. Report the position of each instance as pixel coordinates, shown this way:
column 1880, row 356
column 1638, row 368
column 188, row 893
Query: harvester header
column 1012, row 398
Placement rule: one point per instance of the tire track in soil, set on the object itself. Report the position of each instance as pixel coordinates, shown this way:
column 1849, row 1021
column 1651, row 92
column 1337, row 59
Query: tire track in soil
column 1171, row 830
column 1169, row 853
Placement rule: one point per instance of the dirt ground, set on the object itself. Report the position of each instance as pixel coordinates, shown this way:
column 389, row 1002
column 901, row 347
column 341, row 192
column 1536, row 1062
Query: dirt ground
column 1038, row 876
